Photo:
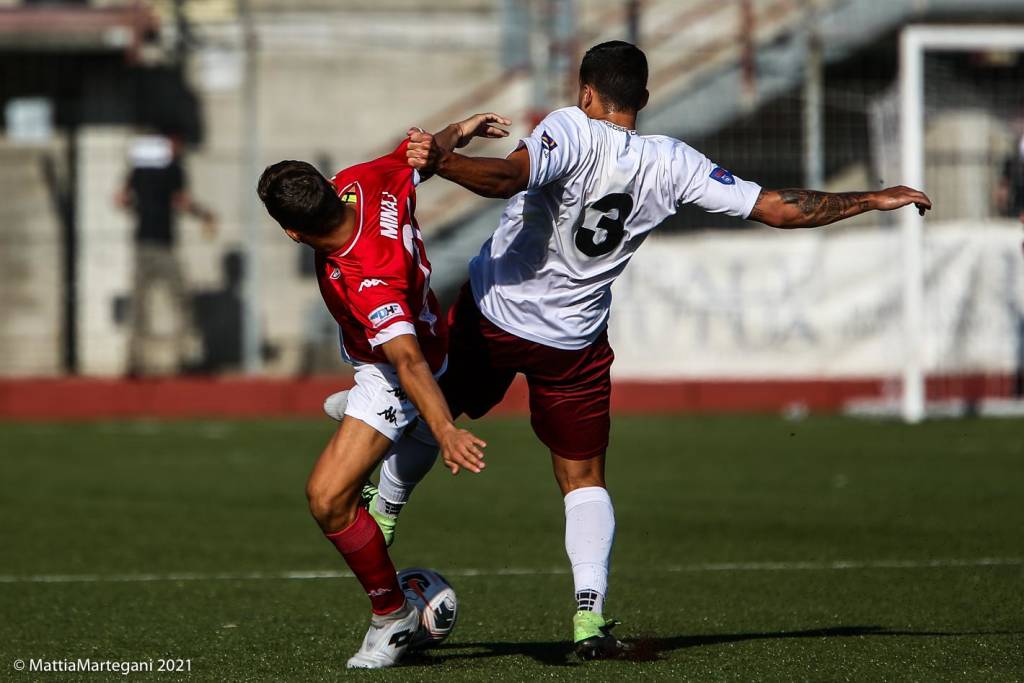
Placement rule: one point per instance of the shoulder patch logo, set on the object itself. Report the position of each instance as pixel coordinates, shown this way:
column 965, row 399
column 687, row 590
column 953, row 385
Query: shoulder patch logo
column 723, row 176
column 547, row 142
column 336, row 273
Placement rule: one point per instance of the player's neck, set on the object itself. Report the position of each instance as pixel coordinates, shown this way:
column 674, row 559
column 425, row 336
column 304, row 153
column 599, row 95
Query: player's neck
column 622, row 119
column 339, row 236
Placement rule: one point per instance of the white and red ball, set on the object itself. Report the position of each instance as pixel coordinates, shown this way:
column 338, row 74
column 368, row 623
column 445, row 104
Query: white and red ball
column 435, row 600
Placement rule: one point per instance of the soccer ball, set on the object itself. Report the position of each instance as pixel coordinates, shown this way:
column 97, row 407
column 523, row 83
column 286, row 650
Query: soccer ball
column 435, row 600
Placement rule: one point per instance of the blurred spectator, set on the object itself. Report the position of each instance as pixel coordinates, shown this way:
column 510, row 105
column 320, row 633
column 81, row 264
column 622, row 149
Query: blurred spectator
column 155, row 189
column 1009, row 194
column 218, row 316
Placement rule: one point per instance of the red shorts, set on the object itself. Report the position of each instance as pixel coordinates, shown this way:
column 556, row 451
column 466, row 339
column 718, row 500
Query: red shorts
column 569, row 390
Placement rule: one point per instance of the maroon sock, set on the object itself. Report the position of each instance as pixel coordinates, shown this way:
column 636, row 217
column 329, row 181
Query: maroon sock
column 362, row 545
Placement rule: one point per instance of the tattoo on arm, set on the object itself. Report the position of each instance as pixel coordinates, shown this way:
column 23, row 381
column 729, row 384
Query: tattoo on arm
column 808, row 208
column 826, row 206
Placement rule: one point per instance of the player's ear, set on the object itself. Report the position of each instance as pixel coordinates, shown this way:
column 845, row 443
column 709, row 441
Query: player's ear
column 644, row 99
column 586, row 97
column 295, row 237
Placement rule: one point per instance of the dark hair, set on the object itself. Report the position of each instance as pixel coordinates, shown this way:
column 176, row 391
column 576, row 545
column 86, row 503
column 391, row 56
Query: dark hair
column 618, row 71
column 299, row 198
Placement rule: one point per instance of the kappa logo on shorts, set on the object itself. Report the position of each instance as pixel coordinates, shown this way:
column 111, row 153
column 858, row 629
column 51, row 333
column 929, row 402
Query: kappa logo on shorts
column 382, row 314
column 547, row 142
column 389, row 414
column 723, row 176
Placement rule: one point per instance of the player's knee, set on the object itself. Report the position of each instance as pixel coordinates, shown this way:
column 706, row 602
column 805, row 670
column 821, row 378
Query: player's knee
column 333, row 510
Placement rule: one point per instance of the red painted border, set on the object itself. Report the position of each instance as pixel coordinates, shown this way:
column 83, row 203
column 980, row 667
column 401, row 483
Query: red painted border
column 86, row 399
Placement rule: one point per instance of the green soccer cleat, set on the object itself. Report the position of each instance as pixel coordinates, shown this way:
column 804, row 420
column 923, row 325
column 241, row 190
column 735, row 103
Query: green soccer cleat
column 367, row 494
column 387, row 523
column 592, row 635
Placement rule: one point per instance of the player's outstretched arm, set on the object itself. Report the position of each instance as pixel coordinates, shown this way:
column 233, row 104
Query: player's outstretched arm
column 458, row 134
column 459, row 447
column 810, row 209
column 487, row 177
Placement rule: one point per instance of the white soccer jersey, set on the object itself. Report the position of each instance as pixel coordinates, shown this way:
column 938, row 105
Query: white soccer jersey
column 595, row 191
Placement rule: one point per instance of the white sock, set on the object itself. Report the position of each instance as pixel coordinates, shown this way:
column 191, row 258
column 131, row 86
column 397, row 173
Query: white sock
column 589, row 533
column 404, row 467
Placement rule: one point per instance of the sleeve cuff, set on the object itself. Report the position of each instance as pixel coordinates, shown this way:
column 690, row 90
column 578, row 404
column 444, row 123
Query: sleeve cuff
column 753, row 193
column 395, row 329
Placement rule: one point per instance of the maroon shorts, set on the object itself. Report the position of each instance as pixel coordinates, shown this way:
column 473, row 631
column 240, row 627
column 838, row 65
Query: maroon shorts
column 569, row 390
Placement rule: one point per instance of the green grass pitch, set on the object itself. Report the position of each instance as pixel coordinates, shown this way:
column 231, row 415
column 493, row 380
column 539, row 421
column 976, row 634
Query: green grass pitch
column 748, row 549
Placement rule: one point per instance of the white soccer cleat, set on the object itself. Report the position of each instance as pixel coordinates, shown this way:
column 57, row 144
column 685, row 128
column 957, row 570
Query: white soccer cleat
column 387, row 639
column 335, row 404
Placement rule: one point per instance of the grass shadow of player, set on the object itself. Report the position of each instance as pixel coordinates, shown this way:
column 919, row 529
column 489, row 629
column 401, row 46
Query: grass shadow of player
column 559, row 653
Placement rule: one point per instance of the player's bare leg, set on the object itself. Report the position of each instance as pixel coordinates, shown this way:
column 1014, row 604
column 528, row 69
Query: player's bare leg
column 333, row 491
column 589, row 534
column 406, row 463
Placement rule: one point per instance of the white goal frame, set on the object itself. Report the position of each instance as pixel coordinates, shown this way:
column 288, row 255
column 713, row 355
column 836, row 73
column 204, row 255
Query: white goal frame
column 915, row 41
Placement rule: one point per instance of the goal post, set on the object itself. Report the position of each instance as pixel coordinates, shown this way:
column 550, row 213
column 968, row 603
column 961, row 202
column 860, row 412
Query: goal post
column 915, row 42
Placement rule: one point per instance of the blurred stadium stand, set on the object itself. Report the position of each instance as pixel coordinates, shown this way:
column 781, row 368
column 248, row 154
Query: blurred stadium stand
column 252, row 82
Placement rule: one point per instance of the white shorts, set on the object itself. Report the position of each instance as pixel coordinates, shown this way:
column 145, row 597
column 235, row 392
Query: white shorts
column 379, row 400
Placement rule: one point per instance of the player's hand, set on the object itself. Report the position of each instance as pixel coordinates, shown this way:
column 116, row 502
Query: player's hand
column 900, row 196
column 423, row 152
column 461, row 449
column 481, row 126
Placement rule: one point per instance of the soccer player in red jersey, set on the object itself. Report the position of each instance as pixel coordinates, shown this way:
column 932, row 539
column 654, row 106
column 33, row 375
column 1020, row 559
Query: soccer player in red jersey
column 375, row 279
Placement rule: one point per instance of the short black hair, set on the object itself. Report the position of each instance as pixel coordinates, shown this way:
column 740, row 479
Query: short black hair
column 300, row 198
column 618, row 71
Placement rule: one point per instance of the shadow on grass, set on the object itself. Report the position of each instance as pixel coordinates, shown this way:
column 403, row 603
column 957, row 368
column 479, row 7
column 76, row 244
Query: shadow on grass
column 559, row 653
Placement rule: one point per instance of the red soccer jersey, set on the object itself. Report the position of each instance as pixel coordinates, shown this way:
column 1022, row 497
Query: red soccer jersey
column 377, row 286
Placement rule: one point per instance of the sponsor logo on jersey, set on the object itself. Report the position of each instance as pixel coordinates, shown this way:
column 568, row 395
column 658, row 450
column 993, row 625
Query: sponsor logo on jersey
column 336, row 273
column 382, row 314
column 547, row 142
column 388, row 215
column 722, row 176
column 370, row 282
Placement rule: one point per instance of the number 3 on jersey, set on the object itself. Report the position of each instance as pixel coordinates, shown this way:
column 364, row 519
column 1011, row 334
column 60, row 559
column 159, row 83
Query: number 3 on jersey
column 609, row 231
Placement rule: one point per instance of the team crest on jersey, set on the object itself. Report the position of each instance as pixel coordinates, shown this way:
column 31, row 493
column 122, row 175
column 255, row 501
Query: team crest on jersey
column 382, row 314
column 349, row 196
column 547, row 142
column 723, row 176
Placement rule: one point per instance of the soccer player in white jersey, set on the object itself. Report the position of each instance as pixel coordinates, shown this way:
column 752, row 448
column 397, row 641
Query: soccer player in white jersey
column 585, row 190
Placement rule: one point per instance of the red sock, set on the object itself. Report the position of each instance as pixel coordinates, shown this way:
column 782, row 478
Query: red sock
column 362, row 545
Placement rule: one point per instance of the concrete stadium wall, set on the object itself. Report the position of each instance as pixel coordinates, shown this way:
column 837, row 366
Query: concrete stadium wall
column 31, row 263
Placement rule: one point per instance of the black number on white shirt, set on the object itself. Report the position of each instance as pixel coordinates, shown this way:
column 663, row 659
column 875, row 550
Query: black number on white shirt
column 608, row 232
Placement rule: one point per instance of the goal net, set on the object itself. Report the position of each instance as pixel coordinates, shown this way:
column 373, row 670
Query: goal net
column 957, row 120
